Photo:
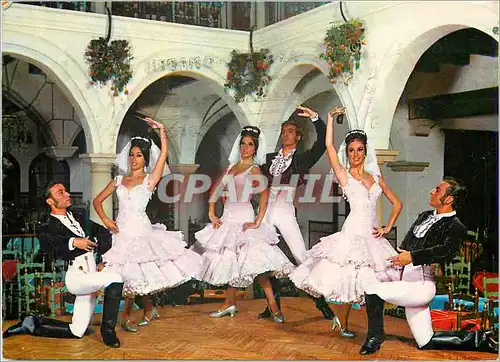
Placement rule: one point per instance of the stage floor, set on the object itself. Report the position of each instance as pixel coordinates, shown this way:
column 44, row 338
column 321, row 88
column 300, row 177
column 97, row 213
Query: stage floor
column 187, row 332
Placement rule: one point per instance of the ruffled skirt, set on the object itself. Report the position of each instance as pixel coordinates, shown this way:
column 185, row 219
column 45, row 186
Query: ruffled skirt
column 341, row 264
column 231, row 256
column 151, row 259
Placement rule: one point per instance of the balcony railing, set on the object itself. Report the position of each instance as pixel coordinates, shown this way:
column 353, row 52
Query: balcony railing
column 206, row 14
column 227, row 15
column 276, row 11
column 85, row 6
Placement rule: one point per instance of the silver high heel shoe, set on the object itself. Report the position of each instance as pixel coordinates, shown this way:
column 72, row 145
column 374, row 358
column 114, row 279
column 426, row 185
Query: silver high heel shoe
column 343, row 332
column 128, row 326
column 221, row 313
column 145, row 320
column 278, row 317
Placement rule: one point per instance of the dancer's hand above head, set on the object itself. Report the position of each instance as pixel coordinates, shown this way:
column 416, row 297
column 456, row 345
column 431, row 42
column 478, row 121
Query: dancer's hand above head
column 153, row 123
column 336, row 111
column 216, row 223
column 306, row 112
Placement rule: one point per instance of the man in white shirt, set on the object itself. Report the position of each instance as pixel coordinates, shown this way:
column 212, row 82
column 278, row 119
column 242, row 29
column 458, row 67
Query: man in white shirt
column 64, row 236
column 285, row 171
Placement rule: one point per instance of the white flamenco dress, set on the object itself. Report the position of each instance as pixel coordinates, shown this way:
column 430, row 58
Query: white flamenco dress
column 341, row 264
column 148, row 257
column 235, row 257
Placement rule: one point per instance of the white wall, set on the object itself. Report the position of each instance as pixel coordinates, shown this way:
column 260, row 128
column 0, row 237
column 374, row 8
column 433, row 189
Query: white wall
column 412, row 188
column 482, row 72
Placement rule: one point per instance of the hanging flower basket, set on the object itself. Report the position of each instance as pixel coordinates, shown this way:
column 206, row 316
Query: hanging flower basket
column 109, row 62
column 248, row 73
column 343, row 43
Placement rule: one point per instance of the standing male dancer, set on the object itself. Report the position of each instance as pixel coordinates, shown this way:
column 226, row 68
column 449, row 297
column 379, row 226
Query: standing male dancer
column 280, row 167
column 64, row 235
column 435, row 237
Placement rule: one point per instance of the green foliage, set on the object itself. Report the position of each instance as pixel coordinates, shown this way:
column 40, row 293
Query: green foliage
column 109, row 62
column 15, row 133
column 248, row 73
column 343, row 43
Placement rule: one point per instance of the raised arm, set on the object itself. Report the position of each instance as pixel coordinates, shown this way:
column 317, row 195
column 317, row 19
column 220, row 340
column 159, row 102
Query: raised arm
column 397, row 206
column 157, row 173
column 339, row 171
column 97, row 203
column 312, row 155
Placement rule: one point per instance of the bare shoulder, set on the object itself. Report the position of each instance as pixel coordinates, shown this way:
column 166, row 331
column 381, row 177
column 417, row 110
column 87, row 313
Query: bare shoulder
column 255, row 170
column 381, row 180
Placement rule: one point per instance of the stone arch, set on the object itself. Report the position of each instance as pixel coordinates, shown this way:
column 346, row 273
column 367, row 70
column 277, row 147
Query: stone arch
column 67, row 73
column 287, row 77
column 35, row 117
column 395, row 67
column 214, row 75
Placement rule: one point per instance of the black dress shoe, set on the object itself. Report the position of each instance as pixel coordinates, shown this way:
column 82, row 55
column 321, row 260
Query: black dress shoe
column 371, row 345
column 15, row 329
column 110, row 339
column 265, row 314
column 26, row 325
column 463, row 341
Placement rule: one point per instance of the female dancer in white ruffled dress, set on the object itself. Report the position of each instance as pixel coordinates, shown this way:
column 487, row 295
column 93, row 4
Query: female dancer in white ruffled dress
column 237, row 247
column 148, row 257
column 339, row 266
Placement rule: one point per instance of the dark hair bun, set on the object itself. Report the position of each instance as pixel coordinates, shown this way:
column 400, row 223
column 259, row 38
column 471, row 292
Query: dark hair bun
column 356, row 134
column 250, row 131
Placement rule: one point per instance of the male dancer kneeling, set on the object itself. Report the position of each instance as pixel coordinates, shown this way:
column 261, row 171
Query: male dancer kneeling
column 435, row 237
column 64, row 235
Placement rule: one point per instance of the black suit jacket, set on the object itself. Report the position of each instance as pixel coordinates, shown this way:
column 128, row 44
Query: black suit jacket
column 440, row 244
column 54, row 238
column 301, row 161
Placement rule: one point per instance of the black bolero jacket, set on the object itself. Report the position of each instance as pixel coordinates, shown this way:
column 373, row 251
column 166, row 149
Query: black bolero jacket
column 301, row 161
column 440, row 244
column 54, row 238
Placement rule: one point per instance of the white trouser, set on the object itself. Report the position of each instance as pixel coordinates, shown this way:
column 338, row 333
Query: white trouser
column 281, row 214
column 83, row 280
column 414, row 291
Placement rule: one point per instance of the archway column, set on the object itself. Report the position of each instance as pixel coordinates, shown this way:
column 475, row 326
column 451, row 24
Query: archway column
column 100, row 175
column 181, row 211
